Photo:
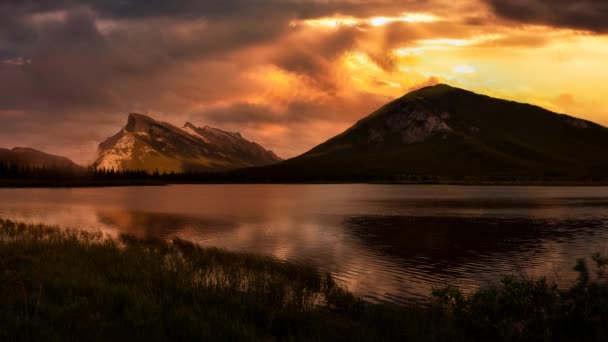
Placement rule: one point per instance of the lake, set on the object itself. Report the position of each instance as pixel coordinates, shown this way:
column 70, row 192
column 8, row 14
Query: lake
column 390, row 243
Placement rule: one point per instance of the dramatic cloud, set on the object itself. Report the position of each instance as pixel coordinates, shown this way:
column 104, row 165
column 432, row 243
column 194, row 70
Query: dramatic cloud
column 286, row 73
column 581, row 14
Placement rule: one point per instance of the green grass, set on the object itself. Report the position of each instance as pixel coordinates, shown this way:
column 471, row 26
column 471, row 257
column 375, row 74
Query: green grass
column 72, row 285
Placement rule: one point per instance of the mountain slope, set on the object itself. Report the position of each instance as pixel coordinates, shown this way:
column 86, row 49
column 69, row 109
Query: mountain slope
column 447, row 132
column 147, row 144
column 22, row 157
column 233, row 145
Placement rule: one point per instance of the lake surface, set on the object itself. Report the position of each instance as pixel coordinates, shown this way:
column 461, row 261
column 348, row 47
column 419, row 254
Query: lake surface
column 385, row 242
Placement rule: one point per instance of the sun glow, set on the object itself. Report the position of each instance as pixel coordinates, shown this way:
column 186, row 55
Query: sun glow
column 408, row 18
column 465, row 69
column 331, row 22
column 360, row 61
column 339, row 21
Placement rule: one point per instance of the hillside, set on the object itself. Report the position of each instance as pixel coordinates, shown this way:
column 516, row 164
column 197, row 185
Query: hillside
column 27, row 157
column 449, row 133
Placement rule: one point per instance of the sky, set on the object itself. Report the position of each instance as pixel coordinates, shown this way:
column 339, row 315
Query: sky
column 288, row 74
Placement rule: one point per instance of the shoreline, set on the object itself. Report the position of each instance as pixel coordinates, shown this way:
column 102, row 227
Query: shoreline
column 140, row 182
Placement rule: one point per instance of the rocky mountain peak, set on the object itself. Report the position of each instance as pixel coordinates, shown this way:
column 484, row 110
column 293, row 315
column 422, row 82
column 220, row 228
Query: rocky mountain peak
column 214, row 130
column 24, row 150
column 147, row 144
column 138, row 122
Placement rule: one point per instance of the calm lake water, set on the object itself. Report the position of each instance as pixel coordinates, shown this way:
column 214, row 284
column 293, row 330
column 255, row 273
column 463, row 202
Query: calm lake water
column 385, row 242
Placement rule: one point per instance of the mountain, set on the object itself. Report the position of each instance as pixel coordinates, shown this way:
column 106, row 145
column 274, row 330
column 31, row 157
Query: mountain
column 451, row 133
column 21, row 156
column 147, row 144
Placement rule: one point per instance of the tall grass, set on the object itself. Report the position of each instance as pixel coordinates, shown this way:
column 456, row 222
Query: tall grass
column 58, row 285
column 72, row 285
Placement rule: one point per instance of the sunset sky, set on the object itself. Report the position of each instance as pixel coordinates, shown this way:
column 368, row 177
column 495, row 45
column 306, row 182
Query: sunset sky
column 288, row 74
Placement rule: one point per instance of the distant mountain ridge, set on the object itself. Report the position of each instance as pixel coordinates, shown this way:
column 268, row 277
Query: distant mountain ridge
column 437, row 132
column 451, row 133
column 150, row 145
column 28, row 157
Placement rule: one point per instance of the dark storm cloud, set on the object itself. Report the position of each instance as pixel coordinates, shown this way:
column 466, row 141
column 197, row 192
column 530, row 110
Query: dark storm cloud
column 239, row 113
column 298, row 112
column 581, row 14
column 68, row 63
column 301, row 9
column 243, row 114
column 185, row 9
column 56, row 62
column 53, row 54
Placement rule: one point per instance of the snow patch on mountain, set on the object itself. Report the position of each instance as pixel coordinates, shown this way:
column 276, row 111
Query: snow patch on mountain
column 114, row 158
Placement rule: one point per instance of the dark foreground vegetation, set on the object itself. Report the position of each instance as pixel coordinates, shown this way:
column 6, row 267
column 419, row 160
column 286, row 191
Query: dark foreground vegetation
column 69, row 285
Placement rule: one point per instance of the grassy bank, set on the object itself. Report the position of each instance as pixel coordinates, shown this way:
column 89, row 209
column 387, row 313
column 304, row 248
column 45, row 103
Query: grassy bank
column 67, row 285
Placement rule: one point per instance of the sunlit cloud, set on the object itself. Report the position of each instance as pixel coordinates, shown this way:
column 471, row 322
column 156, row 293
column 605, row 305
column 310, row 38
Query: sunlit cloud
column 450, row 42
column 332, row 22
column 407, row 18
column 465, row 69
column 338, row 21
column 360, row 61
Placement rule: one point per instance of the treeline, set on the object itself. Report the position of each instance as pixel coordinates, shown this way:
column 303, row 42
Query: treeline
column 17, row 170
column 16, row 174
column 160, row 176
column 26, row 172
